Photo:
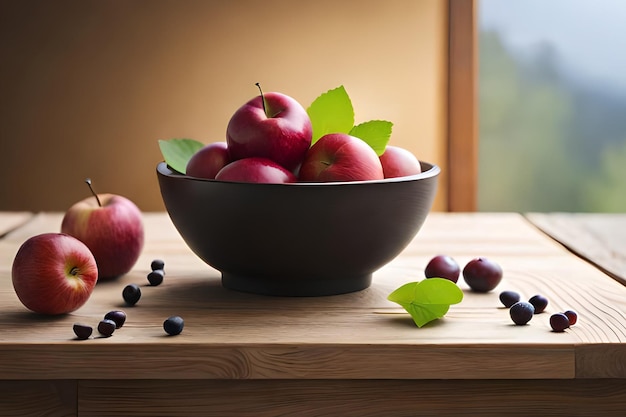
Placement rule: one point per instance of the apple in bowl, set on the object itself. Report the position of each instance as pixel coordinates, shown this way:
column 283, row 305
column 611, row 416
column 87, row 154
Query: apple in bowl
column 399, row 162
column 340, row 157
column 259, row 170
column 273, row 126
column 209, row 160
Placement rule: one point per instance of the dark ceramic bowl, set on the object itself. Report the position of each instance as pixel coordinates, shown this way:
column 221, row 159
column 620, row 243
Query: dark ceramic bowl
column 303, row 239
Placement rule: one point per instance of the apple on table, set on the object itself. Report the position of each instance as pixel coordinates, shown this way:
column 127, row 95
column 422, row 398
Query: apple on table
column 54, row 273
column 112, row 228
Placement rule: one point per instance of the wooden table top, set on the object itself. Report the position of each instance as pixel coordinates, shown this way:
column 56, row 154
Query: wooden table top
column 599, row 238
column 232, row 335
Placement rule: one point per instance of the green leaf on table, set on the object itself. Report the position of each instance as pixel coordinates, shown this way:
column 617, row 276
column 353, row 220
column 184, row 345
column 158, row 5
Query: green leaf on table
column 331, row 112
column 428, row 299
column 375, row 133
column 177, row 152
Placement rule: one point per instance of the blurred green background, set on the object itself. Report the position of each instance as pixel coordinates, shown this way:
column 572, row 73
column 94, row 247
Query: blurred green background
column 552, row 105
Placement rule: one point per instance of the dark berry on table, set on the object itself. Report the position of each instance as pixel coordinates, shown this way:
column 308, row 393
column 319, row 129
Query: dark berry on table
column 482, row 274
column 157, row 264
column 106, row 327
column 156, row 277
column 521, row 312
column 559, row 322
column 571, row 316
column 539, row 302
column 443, row 266
column 82, row 331
column 131, row 294
column 173, row 325
column 119, row 317
column 508, row 298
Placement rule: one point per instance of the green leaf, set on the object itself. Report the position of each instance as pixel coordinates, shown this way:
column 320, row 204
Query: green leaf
column 375, row 133
column 427, row 300
column 425, row 314
column 177, row 152
column 331, row 112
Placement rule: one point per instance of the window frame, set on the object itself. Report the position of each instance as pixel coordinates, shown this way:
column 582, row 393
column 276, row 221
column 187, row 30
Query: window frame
column 462, row 109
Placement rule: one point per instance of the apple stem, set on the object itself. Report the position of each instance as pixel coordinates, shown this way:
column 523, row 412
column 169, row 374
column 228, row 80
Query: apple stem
column 263, row 99
column 88, row 181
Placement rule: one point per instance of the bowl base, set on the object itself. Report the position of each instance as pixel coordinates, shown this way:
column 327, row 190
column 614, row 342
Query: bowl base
column 286, row 288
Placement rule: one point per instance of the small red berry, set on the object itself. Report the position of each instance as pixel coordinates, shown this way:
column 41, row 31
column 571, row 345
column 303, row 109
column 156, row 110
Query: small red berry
column 571, row 316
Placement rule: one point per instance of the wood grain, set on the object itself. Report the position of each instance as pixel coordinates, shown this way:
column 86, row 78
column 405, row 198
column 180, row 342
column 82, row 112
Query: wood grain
column 599, row 238
column 38, row 398
column 233, row 335
column 11, row 220
column 348, row 398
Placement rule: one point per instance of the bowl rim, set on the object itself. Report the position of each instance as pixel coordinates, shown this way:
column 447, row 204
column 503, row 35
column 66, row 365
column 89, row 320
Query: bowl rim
column 433, row 170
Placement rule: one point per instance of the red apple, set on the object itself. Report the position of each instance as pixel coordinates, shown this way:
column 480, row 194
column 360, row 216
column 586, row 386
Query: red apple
column 340, row 157
column 208, row 161
column 112, row 228
column 54, row 273
column 273, row 126
column 259, row 170
column 399, row 162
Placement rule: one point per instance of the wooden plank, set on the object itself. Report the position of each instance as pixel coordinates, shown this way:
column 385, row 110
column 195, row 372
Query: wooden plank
column 462, row 106
column 599, row 238
column 353, row 336
column 353, row 398
column 38, row 398
column 12, row 220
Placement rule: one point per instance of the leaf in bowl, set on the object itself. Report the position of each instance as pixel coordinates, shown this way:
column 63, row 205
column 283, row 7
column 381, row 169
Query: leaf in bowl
column 331, row 112
column 177, row 152
column 375, row 133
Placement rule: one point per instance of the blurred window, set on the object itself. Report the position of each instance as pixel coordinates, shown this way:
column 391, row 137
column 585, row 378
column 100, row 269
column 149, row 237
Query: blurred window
column 552, row 106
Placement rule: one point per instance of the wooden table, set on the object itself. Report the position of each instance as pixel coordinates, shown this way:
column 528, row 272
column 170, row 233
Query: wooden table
column 347, row 355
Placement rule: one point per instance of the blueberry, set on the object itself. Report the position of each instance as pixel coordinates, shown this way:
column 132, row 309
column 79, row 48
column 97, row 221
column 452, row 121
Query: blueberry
column 157, row 264
column 82, row 331
column 559, row 322
column 571, row 316
column 521, row 312
column 173, row 325
column 119, row 317
column 106, row 327
column 131, row 294
column 508, row 298
column 539, row 302
column 156, row 277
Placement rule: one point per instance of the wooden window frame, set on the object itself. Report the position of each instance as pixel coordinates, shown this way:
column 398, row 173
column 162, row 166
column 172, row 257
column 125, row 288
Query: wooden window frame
column 462, row 120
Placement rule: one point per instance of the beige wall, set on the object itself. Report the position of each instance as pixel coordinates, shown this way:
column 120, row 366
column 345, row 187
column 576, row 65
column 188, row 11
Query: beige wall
column 88, row 87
